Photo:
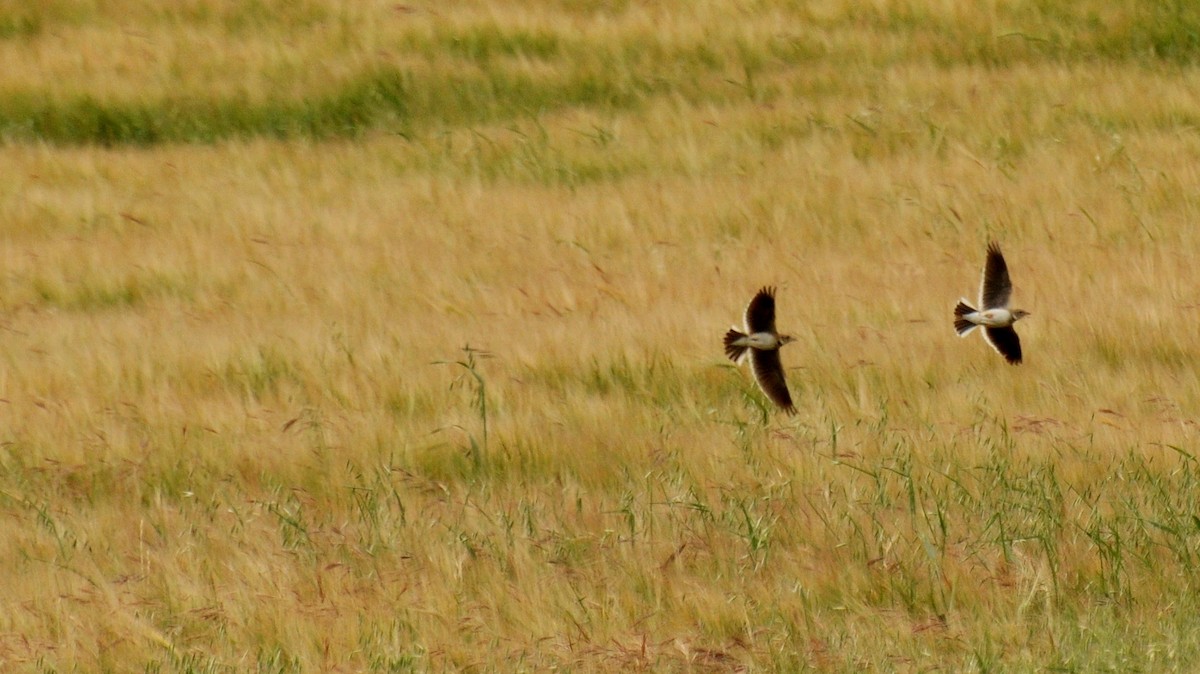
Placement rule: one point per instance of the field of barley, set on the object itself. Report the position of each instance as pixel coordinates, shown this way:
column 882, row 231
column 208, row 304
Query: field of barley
column 386, row 337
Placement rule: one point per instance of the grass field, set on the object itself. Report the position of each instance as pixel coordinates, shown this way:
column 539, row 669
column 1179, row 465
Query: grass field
column 387, row 337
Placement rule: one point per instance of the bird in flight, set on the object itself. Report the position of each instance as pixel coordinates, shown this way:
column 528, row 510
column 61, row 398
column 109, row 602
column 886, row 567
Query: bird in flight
column 761, row 343
column 994, row 316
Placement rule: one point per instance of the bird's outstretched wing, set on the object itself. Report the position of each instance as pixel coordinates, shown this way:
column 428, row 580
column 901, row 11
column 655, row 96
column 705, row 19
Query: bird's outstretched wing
column 996, row 288
column 1006, row 342
column 768, row 372
column 760, row 313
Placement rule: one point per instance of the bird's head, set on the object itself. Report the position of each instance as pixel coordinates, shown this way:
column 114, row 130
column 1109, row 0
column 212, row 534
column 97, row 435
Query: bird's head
column 786, row 339
column 1019, row 314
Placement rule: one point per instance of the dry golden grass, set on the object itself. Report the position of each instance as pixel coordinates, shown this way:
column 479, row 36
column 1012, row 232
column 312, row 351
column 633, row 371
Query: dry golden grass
column 241, row 429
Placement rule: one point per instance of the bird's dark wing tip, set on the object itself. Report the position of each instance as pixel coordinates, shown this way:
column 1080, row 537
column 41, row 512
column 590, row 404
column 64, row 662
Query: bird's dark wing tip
column 760, row 313
column 1006, row 342
column 768, row 372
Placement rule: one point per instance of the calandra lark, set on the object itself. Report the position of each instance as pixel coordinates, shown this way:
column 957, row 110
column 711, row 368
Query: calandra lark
column 995, row 316
column 761, row 343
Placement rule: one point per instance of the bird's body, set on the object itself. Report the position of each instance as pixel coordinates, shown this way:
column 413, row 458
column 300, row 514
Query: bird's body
column 971, row 319
column 760, row 343
column 994, row 316
column 738, row 344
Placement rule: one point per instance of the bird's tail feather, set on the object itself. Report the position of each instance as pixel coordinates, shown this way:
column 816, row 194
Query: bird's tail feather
column 736, row 352
column 961, row 325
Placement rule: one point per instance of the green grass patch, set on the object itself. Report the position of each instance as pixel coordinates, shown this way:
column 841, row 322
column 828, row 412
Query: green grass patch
column 96, row 294
column 384, row 99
